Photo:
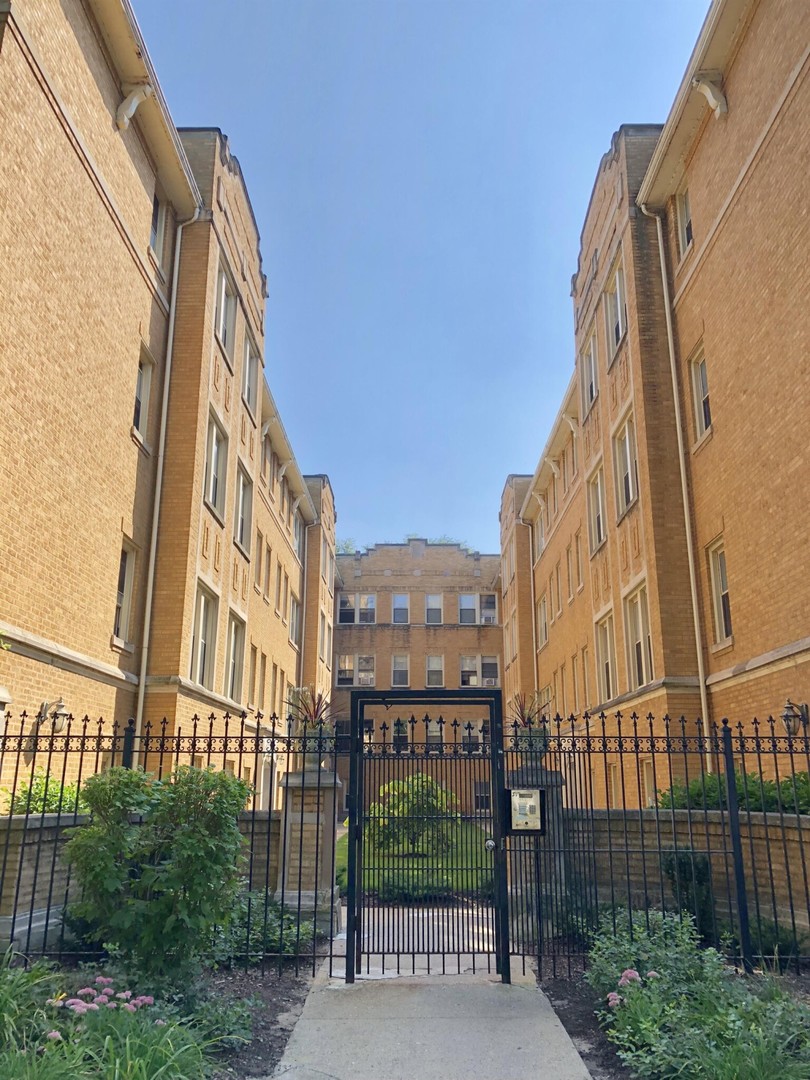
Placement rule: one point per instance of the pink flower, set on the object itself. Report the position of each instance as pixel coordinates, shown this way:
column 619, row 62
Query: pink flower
column 91, row 1005
column 614, row 1000
column 124, row 995
column 102, row 980
column 161, row 1023
column 86, row 991
column 653, row 975
column 629, row 975
column 144, row 999
column 79, row 1009
column 129, row 1006
column 74, row 1001
column 56, row 1002
column 54, row 1035
column 112, row 1005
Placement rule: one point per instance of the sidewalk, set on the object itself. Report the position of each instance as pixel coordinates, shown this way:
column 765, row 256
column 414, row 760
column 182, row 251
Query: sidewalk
column 461, row 1027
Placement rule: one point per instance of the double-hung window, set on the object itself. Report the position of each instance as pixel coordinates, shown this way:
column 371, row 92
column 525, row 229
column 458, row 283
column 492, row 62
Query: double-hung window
column 606, row 658
column 399, row 608
column 250, row 375
column 596, row 509
column 489, row 609
column 684, row 221
column 235, row 660
column 157, row 231
column 615, row 310
column 244, row 510
column 357, row 608
column 433, row 609
column 345, row 669
column 365, row 670
column 720, row 596
column 225, row 318
column 295, row 621
column 346, row 607
column 466, row 608
column 434, row 674
column 123, row 601
column 143, row 385
column 700, row 391
column 639, row 641
column 489, row 670
column 469, row 671
column 399, row 671
column 216, row 466
column 203, row 639
column 542, row 622
column 590, row 379
column 626, row 469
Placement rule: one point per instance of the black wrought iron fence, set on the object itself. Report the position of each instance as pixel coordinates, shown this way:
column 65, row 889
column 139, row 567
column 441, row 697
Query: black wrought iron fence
column 288, row 912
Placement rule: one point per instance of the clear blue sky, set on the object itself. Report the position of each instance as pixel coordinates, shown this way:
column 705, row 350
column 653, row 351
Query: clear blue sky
column 419, row 170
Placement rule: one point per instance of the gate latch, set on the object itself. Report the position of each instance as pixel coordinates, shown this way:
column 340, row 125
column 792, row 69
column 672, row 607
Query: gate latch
column 490, row 845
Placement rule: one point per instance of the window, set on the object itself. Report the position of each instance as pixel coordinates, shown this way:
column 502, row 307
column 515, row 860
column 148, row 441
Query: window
column 278, row 588
column 606, row 658
column 357, row 607
column 268, row 569
column 143, row 384
column 569, row 569
column 596, row 509
column 575, row 681
column 434, row 736
column 551, row 597
column 542, row 622
column 700, row 387
column 254, row 657
column 434, row 671
column 298, row 535
column 469, row 671
column 399, row 671
column 639, row 641
column 578, row 550
column 216, row 466
column 203, row 639
column 123, row 600
column 720, row 597
column 262, row 680
column 590, row 382
column 399, row 734
column 626, row 469
column 365, row 670
column 257, row 565
column 482, row 798
column 684, row 221
column 433, row 609
column 322, row 636
column 615, row 310
column 250, row 375
column 235, row 659
column 399, row 608
column 295, row 620
column 539, row 534
column 466, row 608
column 244, row 510
column 586, row 683
column 226, row 312
column 157, row 232
column 286, row 601
column 345, row 670
column 489, row 670
column 489, row 610
column 558, row 586
column 612, row 784
column 267, row 456
column 648, row 786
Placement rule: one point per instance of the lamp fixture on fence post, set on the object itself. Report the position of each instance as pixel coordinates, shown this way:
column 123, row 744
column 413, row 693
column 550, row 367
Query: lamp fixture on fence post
column 792, row 716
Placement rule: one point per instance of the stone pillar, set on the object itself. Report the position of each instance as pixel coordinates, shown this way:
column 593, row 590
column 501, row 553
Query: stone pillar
column 306, row 879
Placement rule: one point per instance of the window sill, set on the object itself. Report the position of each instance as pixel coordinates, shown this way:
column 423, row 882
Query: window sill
column 722, row 646
column 225, row 354
column 617, row 349
column 590, row 406
column 598, row 547
column 251, row 409
column 218, row 517
column 266, row 599
column 704, row 438
column 690, row 247
column 633, row 502
column 244, row 551
column 139, row 441
column 118, row 645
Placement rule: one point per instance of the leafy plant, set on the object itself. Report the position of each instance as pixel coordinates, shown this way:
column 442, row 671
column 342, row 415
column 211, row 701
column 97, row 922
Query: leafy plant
column 23, row 995
column 159, row 864
column 690, row 876
column 45, row 794
column 260, row 927
column 709, row 792
column 415, row 815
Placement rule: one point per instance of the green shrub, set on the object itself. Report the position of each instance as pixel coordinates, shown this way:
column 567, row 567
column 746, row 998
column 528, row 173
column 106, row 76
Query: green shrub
column 690, row 876
column 44, row 794
column 675, row 1010
column 159, row 864
column 260, row 927
column 415, row 886
column 415, row 815
column 709, row 792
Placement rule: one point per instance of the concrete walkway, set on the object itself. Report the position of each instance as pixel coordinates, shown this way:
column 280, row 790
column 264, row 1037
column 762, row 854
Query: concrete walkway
column 461, row 1027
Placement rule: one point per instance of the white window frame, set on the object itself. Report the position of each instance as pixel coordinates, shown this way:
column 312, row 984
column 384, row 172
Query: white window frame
column 143, row 388
column 363, row 678
column 615, row 310
column 250, row 375
column 700, row 394
column 295, row 620
column 243, row 510
column 590, row 373
column 638, row 640
column 472, row 670
column 625, row 466
column 225, row 317
column 123, row 601
column 298, row 536
column 395, row 607
column 539, row 534
column 484, row 617
column 606, row 658
column 400, row 665
column 433, row 670
column 578, row 553
column 216, row 466
column 718, row 571
column 204, row 638
column 362, row 615
column 597, row 531
column 344, row 680
column 235, row 659
column 432, row 607
column 466, row 607
column 542, row 621
column 157, row 229
column 684, row 213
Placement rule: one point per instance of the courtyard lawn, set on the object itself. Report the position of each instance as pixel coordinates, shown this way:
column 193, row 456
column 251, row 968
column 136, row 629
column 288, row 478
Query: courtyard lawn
column 465, row 870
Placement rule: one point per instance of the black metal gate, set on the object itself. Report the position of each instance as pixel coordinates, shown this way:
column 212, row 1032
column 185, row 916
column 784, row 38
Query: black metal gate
column 427, row 873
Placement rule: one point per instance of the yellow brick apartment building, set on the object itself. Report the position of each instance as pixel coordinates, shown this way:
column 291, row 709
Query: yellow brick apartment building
column 163, row 555
column 668, row 561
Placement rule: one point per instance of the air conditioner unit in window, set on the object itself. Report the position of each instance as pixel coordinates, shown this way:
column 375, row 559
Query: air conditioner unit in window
column 490, row 682
column 488, row 620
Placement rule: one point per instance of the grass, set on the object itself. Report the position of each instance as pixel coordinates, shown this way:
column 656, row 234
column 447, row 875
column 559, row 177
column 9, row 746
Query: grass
column 464, row 870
